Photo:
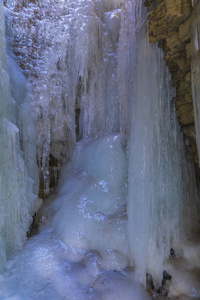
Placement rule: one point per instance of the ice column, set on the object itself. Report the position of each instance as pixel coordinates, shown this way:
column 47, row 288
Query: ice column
column 161, row 180
column 17, row 201
column 71, row 61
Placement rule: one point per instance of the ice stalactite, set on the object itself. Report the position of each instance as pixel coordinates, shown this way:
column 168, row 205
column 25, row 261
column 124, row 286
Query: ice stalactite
column 91, row 76
column 162, row 197
column 71, row 61
column 17, row 199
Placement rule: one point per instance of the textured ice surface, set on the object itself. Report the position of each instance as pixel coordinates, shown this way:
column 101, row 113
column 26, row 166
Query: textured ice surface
column 185, row 277
column 162, row 200
column 43, row 270
column 91, row 204
column 17, row 199
column 79, row 253
column 68, row 51
column 82, row 251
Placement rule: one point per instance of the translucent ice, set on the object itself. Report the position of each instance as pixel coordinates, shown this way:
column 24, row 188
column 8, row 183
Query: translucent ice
column 17, row 199
column 81, row 249
column 43, row 270
column 162, row 199
column 91, row 203
column 71, row 61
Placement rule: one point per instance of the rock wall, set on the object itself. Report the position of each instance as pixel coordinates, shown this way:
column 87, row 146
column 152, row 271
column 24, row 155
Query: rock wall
column 170, row 25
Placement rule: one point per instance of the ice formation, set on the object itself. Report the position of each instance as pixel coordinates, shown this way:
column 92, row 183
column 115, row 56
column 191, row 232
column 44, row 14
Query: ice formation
column 90, row 74
column 161, row 180
column 69, row 53
column 82, row 247
column 93, row 202
column 43, row 270
column 17, row 199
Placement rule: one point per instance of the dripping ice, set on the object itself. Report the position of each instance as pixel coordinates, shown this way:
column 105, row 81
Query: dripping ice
column 86, row 242
column 17, row 186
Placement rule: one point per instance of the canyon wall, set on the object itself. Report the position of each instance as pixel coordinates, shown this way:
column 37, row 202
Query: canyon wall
column 171, row 24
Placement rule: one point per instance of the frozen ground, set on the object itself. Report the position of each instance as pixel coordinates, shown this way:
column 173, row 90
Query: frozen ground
column 43, row 270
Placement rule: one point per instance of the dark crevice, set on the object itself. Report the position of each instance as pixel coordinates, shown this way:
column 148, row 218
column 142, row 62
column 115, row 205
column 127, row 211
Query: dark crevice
column 77, row 118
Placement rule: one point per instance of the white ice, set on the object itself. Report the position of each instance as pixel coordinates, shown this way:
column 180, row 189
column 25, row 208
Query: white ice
column 18, row 190
column 81, row 250
column 83, row 244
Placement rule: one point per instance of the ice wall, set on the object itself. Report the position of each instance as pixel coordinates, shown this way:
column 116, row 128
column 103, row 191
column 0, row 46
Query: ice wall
column 17, row 199
column 68, row 51
column 82, row 88
column 162, row 192
column 90, row 208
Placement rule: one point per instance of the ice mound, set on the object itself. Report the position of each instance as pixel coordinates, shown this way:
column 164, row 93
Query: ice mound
column 191, row 252
column 185, row 277
column 43, row 270
column 102, row 159
column 116, row 286
column 90, row 207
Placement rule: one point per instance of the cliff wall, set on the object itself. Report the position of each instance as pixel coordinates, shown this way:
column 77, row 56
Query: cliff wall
column 170, row 24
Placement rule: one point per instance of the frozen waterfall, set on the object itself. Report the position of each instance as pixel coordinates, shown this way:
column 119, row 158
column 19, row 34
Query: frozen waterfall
column 18, row 190
column 92, row 102
column 161, row 180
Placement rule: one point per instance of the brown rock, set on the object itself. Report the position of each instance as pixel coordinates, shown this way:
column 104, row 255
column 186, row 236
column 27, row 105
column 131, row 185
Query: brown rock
column 184, row 31
column 170, row 25
column 190, row 132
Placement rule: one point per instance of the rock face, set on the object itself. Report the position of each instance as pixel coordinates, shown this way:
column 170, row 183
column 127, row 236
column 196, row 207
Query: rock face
column 170, row 26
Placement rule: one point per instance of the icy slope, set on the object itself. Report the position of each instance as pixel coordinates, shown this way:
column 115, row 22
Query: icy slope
column 82, row 247
column 91, row 203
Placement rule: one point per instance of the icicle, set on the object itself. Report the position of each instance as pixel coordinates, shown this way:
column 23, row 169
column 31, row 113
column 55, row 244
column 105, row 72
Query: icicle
column 158, row 191
column 17, row 201
column 76, row 72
